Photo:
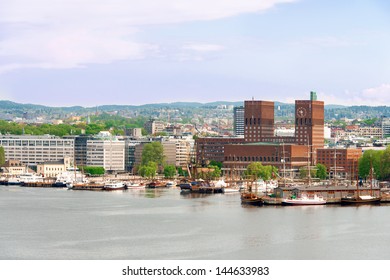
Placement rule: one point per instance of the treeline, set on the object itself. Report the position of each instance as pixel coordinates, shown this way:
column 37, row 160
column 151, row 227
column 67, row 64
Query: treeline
column 115, row 124
column 375, row 163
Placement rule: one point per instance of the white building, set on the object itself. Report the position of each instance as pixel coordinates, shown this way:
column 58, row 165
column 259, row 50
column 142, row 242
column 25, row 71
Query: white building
column 53, row 168
column 32, row 149
column 386, row 126
column 109, row 154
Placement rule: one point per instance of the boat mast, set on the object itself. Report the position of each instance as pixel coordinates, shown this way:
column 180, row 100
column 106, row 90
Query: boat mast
column 284, row 165
column 371, row 175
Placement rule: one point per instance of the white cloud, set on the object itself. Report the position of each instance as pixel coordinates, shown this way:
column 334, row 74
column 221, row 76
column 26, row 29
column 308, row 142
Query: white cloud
column 73, row 33
column 376, row 96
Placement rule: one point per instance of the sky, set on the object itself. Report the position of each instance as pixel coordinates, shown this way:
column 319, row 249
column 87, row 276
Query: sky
column 131, row 52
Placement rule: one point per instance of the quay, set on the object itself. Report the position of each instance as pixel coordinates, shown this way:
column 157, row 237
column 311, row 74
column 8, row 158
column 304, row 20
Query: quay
column 332, row 194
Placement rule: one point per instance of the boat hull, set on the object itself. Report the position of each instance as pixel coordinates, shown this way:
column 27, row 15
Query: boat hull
column 293, row 202
column 251, row 199
column 354, row 201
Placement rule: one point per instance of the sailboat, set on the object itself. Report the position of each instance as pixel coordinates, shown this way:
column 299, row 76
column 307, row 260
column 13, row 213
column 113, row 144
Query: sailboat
column 304, row 198
column 358, row 199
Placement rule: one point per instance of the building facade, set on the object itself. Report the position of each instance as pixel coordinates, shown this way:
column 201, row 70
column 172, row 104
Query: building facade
column 212, row 148
column 238, row 120
column 259, row 120
column 109, row 154
column 53, row 168
column 33, row 150
column 386, row 126
column 340, row 163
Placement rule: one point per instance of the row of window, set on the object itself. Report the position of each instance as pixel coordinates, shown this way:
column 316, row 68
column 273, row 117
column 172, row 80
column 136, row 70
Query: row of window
column 253, row 159
column 36, row 143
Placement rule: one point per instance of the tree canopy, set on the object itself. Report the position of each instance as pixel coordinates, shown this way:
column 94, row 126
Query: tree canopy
column 380, row 162
column 169, row 171
column 153, row 152
column 93, row 170
column 149, row 170
column 256, row 170
column 2, row 155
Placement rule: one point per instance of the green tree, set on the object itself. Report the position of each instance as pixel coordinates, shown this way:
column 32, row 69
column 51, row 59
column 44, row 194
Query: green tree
column 2, row 155
column 216, row 163
column 182, row 172
column 321, row 171
column 303, row 172
column 215, row 172
column 371, row 158
column 169, row 171
column 149, row 170
column 256, row 170
column 153, row 152
column 94, row 170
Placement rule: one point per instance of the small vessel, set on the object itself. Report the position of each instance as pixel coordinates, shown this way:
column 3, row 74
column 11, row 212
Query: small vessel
column 155, row 185
column 69, row 178
column 361, row 199
column 27, row 178
column 14, row 180
column 111, row 186
column 304, row 199
column 134, row 186
column 251, row 198
column 358, row 199
column 170, row 184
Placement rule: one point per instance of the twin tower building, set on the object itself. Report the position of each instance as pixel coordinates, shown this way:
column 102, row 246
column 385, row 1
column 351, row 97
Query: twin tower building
column 260, row 143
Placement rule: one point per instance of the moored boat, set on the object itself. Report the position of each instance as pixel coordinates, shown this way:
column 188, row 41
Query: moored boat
column 13, row 181
column 252, row 199
column 111, row 186
column 304, row 200
column 134, row 186
column 361, row 199
column 69, row 178
column 155, row 185
column 27, row 178
column 170, row 184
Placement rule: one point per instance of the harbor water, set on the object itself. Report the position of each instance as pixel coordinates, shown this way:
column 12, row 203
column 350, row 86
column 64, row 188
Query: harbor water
column 163, row 224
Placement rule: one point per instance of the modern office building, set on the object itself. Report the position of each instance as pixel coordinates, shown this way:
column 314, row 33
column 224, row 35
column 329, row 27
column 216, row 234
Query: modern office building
column 33, row 150
column 109, row 154
column 238, row 120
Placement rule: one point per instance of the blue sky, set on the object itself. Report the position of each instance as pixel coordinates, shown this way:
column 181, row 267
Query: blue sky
column 84, row 52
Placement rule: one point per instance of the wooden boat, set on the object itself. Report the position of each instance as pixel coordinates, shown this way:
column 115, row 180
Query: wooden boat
column 155, row 185
column 251, row 198
column 358, row 199
column 361, row 199
column 304, row 200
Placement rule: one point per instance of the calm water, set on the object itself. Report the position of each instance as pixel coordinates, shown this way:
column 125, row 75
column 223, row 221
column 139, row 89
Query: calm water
column 163, row 224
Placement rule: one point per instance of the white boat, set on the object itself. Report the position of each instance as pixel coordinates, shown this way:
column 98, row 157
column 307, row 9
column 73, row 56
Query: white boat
column 231, row 190
column 70, row 177
column 265, row 186
column 304, row 200
column 30, row 178
column 111, row 186
column 134, row 186
column 13, row 181
column 170, row 184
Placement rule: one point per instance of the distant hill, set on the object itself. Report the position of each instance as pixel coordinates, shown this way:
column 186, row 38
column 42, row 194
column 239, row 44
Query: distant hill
column 331, row 110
